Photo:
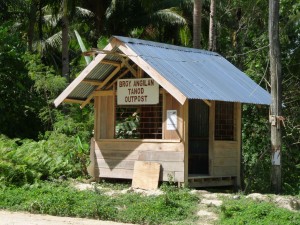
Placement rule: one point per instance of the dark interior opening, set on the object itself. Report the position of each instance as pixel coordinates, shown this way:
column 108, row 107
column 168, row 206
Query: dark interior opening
column 198, row 137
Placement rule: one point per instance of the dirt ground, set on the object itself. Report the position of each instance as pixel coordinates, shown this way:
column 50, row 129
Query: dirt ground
column 20, row 218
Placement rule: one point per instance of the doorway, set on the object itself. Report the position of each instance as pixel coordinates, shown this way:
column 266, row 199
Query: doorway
column 198, row 137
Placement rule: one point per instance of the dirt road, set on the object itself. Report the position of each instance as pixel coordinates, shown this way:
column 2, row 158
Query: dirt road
column 20, row 218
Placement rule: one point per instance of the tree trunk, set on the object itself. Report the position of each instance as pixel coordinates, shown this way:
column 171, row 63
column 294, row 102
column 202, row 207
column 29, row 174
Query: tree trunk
column 212, row 27
column 40, row 20
column 197, row 23
column 32, row 21
column 98, row 8
column 65, row 41
column 276, row 93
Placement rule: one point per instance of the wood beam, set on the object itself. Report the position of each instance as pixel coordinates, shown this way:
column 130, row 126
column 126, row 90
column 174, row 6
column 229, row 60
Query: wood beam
column 87, row 101
column 110, row 62
column 92, row 82
column 132, row 70
column 152, row 72
column 100, row 86
column 109, row 77
column 103, row 93
column 140, row 72
column 207, row 102
column 119, row 77
column 70, row 100
column 84, row 73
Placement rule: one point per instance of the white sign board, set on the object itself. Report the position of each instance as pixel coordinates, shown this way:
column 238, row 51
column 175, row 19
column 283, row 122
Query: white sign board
column 276, row 158
column 143, row 91
column 171, row 119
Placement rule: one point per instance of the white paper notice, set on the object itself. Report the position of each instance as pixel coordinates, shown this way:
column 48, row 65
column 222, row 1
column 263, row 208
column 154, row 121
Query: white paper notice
column 276, row 158
column 171, row 119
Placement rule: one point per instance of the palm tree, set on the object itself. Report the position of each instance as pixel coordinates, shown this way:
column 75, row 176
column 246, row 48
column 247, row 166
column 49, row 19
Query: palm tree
column 65, row 40
column 160, row 21
column 32, row 21
column 212, row 27
column 197, row 13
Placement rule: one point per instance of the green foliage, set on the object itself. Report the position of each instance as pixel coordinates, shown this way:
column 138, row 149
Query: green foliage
column 256, row 158
column 75, row 122
column 25, row 162
column 246, row 211
column 127, row 127
column 19, row 102
column 29, row 83
column 47, row 84
column 175, row 205
column 59, row 199
column 46, row 80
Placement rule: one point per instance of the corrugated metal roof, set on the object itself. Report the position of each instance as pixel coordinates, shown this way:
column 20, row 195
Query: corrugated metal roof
column 99, row 73
column 199, row 74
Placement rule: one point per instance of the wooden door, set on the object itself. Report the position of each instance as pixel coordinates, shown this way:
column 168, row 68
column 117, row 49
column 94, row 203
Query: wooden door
column 198, row 137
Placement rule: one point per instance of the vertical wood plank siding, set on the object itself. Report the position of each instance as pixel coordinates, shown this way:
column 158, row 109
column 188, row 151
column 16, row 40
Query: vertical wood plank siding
column 227, row 154
column 114, row 158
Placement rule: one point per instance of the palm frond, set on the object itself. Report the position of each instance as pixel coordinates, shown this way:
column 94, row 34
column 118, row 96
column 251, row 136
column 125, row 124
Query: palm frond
column 82, row 47
column 110, row 10
column 51, row 20
column 84, row 12
column 54, row 41
column 172, row 16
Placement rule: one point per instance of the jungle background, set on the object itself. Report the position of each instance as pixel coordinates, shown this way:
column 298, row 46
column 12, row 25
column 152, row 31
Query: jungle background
column 40, row 56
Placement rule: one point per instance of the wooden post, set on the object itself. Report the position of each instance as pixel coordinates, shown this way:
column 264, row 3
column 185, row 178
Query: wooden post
column 276, row 93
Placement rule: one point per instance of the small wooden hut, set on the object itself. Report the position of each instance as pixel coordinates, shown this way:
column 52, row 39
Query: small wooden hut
column 180, row 107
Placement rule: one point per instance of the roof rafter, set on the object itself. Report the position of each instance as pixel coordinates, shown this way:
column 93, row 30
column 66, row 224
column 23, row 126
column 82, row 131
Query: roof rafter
column 152, row 72
column 92, row 82
column 119, row 77
column 101, row 86
column 126, row 63
column 83, row 74
column 71, row 100
column 111, row 62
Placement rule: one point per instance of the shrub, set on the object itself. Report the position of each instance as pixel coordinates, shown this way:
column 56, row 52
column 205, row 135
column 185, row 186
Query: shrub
column 27, row 161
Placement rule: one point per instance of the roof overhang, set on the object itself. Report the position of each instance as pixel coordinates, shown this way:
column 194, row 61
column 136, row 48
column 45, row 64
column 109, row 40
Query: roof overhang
column 183, row 72
column 103, row 70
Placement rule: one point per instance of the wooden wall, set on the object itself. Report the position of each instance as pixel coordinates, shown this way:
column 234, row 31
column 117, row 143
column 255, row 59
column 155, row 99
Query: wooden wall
column 225, row 160
column 104, row 117
column 115, row 158
column 170, row 103
column 225, row 156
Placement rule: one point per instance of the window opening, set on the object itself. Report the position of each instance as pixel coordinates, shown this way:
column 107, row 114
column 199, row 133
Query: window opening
column 224, row 121
column 139, row 121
